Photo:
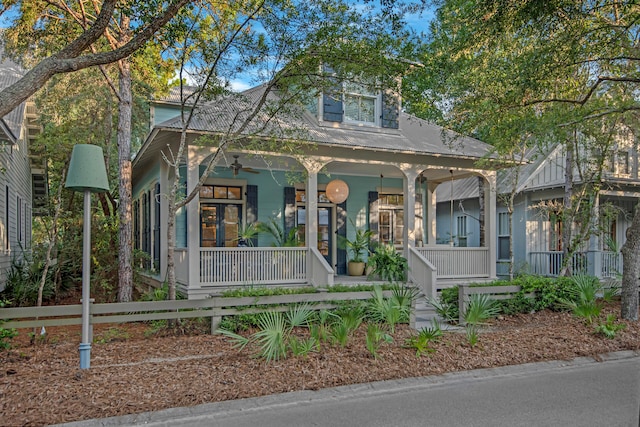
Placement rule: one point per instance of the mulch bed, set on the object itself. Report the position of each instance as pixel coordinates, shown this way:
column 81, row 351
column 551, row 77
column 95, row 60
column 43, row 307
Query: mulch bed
column 132, row 371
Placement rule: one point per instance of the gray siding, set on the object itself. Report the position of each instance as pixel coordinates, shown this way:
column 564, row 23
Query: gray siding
column 16, row 176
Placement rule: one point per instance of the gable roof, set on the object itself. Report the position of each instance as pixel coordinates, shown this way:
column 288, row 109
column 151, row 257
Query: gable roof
column 414, row 136
column 467, row 188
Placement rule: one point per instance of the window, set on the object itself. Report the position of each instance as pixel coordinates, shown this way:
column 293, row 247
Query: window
column 359, row 104
column 623, row 162
column 220, row 192
column 461, row 222
column 504, row 235
column 19, row 217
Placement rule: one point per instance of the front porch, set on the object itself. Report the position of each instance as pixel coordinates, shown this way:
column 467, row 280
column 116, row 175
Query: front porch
column 430, row 268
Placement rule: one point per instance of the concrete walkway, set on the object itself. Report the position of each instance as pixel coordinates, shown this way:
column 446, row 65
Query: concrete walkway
column 581, row 392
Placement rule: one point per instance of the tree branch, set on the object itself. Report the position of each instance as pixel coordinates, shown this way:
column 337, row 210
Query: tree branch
column 67, row 60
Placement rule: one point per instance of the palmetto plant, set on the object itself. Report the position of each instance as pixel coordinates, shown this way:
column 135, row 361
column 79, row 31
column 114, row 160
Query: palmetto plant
column 273, row 337
column 480, row 309
column 391, row 310
column 583, row 297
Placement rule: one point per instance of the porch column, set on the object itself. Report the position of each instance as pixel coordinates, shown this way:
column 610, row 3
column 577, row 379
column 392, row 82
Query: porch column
column 431, row 212
column 490, row 237
column 409, row 191
column 193, row 218
column 311, row 230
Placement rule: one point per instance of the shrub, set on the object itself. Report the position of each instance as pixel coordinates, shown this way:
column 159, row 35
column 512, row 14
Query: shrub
column 5, row 334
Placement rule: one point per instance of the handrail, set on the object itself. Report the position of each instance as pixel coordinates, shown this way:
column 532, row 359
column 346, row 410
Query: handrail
column 319, row 271
column 421, row 272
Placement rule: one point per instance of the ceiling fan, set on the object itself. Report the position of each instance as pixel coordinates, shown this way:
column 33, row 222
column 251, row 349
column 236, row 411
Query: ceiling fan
column 237, row 167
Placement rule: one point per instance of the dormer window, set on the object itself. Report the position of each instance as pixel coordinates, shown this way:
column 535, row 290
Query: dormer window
column 360, row 104
column 354, row 103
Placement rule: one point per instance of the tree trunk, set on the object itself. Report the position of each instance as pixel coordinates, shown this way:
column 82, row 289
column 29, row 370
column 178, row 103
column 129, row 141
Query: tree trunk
column 566, row 216
column 631, row 269
column 125, row 269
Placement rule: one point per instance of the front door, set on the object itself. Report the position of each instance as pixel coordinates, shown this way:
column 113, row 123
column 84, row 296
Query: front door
column 219, row 225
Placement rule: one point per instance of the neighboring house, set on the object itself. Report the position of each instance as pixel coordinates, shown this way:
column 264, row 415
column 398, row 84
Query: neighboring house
column 20, row 180
column 537, row 234
column 391, row 163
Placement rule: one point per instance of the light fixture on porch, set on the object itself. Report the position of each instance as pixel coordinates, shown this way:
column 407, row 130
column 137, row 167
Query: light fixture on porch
column 337, row 191
column 88, row 174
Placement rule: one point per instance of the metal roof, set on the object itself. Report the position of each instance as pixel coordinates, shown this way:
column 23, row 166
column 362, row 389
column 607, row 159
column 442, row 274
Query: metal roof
column 414, row 136
column 10, row 72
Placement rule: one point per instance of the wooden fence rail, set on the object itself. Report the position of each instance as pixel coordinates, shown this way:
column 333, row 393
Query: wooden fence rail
column 496, row 293
column 215, row 307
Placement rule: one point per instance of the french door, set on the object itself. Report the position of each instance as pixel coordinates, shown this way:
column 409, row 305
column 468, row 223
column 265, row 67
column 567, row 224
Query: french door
column 219, row 224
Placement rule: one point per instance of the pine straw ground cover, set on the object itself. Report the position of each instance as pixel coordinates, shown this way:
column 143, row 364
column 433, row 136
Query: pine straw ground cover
column 130, row 372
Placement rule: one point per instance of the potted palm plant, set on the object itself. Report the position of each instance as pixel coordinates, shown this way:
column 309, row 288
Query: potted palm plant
column 358, row 247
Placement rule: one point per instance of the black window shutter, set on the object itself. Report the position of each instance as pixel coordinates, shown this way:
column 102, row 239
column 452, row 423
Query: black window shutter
column 341, row 230
column 373, row 215
column 332, row 107
column 390, row 109
column 252, row 208
column 156, row 228
column 289, row 209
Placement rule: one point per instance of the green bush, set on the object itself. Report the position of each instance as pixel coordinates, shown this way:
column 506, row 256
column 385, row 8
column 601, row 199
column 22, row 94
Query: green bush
column 5, row 334
column 23, row 282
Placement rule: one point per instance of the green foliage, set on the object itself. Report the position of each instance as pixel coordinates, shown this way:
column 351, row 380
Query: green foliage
column 609, row 328
column 6, row 334
column 376, row 336
column 280, row 239
column 446, row 304
column 358, row 288
column 388, row 264
column 583, row 297
column 274, row 334
column 392, row 310
column 110, row 335
column 23, row 282
column 345, row 324
column 271, row 336
column 480, row 309
column 359, row 245
column 302, row 347
column 422, row 342
column 259, row 291
column 471, row 333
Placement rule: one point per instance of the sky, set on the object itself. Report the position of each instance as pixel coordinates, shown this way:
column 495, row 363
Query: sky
column 418, row 22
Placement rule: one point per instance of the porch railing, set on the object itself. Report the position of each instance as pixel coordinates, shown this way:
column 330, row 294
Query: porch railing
column 454, row 262
column 549, row 263
column 611, row 263
column 236, row 266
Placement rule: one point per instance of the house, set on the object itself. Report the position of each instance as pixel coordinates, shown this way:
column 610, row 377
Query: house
column 537, row 232
column 22, row 176
column 357, row 142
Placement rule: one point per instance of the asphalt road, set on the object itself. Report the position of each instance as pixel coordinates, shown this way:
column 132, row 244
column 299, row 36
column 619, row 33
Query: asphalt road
column 581, row 393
